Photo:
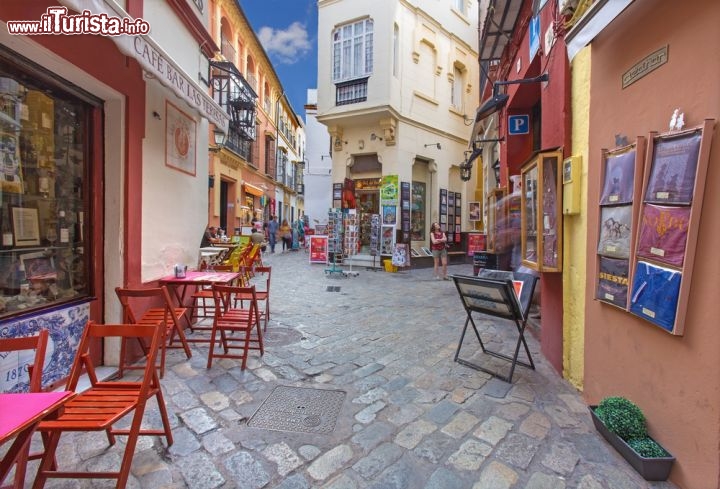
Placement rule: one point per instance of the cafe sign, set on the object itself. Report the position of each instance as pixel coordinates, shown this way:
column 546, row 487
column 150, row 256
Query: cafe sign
column 645, row 66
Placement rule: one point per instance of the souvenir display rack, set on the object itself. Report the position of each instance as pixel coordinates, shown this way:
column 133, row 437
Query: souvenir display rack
column 450, row 231
column 541, row 216
column 374, row 238
column 458, row 216
column 673, row 190
column 334, row 233
column 620, row 173
column 351, row 230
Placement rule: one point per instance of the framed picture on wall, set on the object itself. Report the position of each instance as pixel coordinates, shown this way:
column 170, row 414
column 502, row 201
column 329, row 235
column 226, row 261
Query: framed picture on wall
column 180, row 140
column 474, row 213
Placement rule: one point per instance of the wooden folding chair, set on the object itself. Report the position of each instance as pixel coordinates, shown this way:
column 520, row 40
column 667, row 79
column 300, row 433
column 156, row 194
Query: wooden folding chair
column 105, row 403
column 230, row 320
column 34, row 384
column 262, row 295
column 203, row 304
column 167, row 317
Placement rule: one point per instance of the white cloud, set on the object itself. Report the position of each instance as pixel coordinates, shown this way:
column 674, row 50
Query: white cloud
column 287, row 46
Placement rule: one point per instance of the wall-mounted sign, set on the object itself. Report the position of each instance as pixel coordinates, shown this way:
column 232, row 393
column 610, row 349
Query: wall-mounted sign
column 648, row 64
column 534, row 40
column 518, row 124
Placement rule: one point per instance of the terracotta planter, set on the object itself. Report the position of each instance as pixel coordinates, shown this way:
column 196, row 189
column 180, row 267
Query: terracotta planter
column 652, row 469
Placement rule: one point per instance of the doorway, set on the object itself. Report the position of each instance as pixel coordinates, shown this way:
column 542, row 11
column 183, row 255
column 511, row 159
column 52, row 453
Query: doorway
column 368, row 202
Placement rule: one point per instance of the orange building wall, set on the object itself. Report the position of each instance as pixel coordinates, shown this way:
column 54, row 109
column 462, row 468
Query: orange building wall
column 674, row 379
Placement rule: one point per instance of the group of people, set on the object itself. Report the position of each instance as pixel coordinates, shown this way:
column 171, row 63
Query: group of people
column 266, row 234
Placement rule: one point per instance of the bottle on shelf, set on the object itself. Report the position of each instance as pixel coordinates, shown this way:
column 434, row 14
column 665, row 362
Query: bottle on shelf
column 63, row 228
column 7, row 234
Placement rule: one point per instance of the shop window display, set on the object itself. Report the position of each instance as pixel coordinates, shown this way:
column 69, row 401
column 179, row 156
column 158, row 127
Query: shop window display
column 44, row 192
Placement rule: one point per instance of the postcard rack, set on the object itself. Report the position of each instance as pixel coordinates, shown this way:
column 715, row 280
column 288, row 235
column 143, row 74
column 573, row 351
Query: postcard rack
column 335, row 242
column 505, row 295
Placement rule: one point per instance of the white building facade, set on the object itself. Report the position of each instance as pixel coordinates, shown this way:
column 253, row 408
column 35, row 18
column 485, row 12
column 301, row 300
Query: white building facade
column 318, row 164
column 397, row 87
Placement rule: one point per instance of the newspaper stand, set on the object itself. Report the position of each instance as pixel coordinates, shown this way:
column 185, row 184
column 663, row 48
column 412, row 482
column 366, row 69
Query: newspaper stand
column 494, row 294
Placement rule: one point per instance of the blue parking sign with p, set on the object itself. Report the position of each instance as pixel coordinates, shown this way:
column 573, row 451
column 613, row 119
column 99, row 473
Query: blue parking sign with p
column 518, row 124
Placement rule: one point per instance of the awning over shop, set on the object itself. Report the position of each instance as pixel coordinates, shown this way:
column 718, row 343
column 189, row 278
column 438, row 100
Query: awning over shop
column 155, row 61
column 497, row 28
column 592, row 23
column 252, row 189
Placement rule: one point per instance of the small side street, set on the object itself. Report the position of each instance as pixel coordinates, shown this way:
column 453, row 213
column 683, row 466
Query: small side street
column 410, row 417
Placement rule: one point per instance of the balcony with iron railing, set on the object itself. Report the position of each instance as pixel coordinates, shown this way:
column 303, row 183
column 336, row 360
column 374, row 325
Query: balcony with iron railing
column 228, row 51
column 233, row 93
column 351, row 92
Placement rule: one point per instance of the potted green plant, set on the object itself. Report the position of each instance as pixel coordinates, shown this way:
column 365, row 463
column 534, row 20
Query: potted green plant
column 623, row 425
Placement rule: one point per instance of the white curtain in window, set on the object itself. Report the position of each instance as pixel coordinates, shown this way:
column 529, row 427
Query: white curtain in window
column 352, row 51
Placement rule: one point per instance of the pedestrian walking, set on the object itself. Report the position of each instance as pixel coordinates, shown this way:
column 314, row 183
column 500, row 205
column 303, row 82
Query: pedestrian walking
column 438, row 242
column 272, row 229
column 285, row 233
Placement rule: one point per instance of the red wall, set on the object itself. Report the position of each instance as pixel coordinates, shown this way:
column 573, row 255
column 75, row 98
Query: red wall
column 674, row 379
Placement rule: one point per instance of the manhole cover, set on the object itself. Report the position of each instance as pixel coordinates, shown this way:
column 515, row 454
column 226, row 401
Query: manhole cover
column 281, row 336
column 333, row 288
column 299, row 409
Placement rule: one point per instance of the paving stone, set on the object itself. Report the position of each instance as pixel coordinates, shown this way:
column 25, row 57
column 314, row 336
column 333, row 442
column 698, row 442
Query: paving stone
column 198, row 420
column 405, row 414
column 512, row 411
column 461, row 424
column 536, row 425
column 217, row 444
column 406, row 395
column 157, row 478
column 434, row 447
column 589, row 482
column 470, row 455
column 573, row 403
column 343, row 481
column 522, row 392
column 371, row 396
column 245, row 469
column 442, row 412
column 517, row 450
column 561, row 417
column 368, row 414
column 283, row 456
column 231, row 415
column 397, row 476
column 199, row 384
column 496, row 476
column 315, row 370
column 242, row 397
column 330, row 462
column 215, row 400
column 431, row 396
column 225, row 383
column 370, row 382
column 411, row 435
column 309, row 452
column 442, row 478
column 199, row 472
column 184, row 442
column 265, row 374
column 396, row 384
column 324, row 378
column 288, row 373
column 185, row 400
column 368, row 369
column 543, row 481
column 295, row 481
column 497, row 388
column 461, row 394
column 378, row 460
column 562, row 458
column 493, row 430
column 371, row 436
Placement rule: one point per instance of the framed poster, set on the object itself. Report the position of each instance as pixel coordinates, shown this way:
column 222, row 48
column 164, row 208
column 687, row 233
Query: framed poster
column 180, row 140
column 673, row 167
column 26, row 226
column 387, row 240
column 38, row 266
column 612, row 284
column 389, row 214
column 417, row 211
column 663, row 233
column 615, row 230
column 619, row 178
column 318, row 249
column 474, row 213
column 655, row 294
column 475, row 242
column 400, row 255
column 337, row 194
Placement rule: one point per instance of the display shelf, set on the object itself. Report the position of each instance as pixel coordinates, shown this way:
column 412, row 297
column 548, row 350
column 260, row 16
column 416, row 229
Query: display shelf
column 497, row 216
column 621, row 174
column 541, row 212
column 672, row 199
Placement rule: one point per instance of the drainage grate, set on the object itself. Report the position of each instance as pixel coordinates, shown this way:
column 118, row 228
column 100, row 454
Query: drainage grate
column 299, row 409
column 332, row 288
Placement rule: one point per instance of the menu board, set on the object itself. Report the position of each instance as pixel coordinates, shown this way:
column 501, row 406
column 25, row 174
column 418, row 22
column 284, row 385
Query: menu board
column 318, row 249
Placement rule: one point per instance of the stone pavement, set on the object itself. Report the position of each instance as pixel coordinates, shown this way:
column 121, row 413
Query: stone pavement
column 411, row 417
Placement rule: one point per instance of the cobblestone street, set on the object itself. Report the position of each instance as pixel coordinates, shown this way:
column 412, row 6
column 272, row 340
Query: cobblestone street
column 410, row 418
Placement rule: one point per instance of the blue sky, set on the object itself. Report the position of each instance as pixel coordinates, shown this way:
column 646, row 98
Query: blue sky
column 287, row 30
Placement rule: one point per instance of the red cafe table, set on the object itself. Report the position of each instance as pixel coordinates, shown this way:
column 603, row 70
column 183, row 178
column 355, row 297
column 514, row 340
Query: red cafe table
column 20, row 415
